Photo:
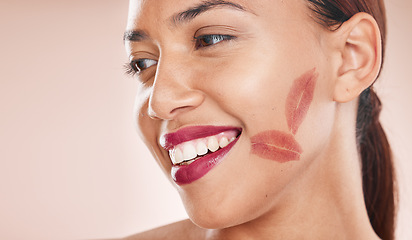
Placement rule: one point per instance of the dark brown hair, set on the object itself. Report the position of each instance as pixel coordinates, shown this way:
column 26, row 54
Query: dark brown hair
column 379, row 185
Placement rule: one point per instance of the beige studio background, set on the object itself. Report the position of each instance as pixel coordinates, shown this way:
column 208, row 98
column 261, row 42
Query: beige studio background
column 71, row 164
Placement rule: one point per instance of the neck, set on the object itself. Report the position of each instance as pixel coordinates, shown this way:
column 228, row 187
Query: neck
column 326, row 203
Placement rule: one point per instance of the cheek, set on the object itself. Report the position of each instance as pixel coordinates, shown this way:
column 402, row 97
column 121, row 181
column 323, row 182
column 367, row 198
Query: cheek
column 316, row 130
column 281, row 146
column 250, row 90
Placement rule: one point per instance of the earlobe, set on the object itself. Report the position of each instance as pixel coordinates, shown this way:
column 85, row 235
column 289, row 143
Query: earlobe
column 360, row 47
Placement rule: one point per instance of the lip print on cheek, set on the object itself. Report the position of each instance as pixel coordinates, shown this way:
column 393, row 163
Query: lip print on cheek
column 299, row 99
column 276, row 145
column 282, row 146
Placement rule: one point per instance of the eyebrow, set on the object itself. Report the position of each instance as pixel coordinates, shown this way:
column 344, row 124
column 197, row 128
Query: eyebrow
column 135, row 36
column 184, row 17
column 191, row 13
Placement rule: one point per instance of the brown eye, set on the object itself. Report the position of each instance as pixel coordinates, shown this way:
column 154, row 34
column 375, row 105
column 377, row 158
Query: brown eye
column 142, row 64
column 209, row 40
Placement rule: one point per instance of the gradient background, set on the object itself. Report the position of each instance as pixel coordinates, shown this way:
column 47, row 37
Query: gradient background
column 72, row 166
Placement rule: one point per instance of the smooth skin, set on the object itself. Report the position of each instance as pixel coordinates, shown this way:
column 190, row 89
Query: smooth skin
column 243, row 81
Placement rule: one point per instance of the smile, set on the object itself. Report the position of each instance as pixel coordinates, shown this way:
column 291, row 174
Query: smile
column 187, row 152
column 194, row 151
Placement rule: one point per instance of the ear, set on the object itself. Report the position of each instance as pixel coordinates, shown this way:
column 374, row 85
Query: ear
column 359, row 44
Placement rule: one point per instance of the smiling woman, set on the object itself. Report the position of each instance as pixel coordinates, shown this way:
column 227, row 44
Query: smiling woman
column 262, row 115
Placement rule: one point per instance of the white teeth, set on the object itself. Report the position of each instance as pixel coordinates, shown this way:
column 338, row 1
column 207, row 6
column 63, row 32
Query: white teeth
column 186, row 153
column 223, row 142
column 212, row 144
column 178, row 156
column 189, row 151
column 201, row 148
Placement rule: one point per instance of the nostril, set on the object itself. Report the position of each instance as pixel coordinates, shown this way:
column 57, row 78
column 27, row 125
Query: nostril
column 168, row 116
column 181, row 109
column 168, row 106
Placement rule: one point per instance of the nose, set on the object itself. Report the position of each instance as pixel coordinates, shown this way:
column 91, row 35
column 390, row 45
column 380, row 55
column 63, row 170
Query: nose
column 173, row 92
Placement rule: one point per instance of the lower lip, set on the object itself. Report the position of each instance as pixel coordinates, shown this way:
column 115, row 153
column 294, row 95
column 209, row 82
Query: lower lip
column 186, row 174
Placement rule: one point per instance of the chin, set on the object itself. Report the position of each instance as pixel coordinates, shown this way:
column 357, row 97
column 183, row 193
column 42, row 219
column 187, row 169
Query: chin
column 214, row 222
column 211, row 217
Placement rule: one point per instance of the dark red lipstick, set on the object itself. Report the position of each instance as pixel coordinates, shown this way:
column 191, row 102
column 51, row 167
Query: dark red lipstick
column 185, row 174
column 168, row 141
column 276, row 145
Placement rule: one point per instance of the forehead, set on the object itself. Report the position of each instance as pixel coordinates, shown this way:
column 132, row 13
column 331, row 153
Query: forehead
column 157, row 16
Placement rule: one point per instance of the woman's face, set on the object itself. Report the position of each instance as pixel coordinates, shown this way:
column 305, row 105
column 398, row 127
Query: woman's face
column 245, row 81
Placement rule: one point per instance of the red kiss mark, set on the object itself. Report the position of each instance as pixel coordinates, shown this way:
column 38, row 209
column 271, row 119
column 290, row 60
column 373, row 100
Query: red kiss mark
column 299, row 99
column 276, row 145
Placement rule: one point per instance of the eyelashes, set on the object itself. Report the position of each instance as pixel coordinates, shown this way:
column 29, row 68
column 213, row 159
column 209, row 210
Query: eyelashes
column 128, row 70
column 211, row 39
column 136, row 67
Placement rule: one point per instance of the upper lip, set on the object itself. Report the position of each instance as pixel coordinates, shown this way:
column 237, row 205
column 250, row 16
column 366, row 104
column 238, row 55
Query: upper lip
column 170, row 140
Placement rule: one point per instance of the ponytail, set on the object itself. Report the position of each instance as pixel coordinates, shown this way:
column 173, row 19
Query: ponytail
column 377, row 166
